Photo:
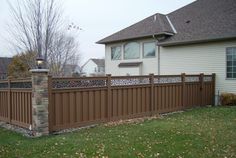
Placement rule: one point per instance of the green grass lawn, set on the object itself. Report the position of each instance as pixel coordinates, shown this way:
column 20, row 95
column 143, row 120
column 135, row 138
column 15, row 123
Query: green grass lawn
column 202, row 132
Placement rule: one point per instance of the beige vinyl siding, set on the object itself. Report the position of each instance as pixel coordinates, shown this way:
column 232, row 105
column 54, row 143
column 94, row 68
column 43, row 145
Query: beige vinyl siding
column 149, row 65
column 199, row 58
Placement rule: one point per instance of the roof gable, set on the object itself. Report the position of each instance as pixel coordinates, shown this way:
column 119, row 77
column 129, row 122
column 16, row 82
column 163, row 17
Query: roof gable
column 153, row 25
column 99, row 62
column 202, row 20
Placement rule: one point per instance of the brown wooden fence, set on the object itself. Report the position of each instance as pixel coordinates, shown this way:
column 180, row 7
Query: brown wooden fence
column 75, row 102
column 16, row 102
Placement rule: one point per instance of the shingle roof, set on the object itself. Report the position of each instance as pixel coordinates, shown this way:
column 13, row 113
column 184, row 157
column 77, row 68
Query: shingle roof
column 202, row 20
column 99, row 62
column 155, row 24
column 4, row 62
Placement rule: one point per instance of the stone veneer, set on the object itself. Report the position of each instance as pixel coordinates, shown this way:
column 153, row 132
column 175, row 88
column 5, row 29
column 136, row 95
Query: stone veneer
column 40, row 102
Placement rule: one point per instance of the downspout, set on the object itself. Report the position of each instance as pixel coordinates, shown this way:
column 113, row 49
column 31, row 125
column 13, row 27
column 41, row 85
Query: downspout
column 158, row 55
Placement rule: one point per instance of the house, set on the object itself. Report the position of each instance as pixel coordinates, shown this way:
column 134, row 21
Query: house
column 197, row 38
column 94, row 67
column 69, row 70
column 78, row 72
column 4, row 63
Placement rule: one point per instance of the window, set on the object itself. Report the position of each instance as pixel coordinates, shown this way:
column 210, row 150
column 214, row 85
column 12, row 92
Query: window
column 131, row 50
column 100, row 69
column 149, row 49
column 231, row 63
column 116, row 53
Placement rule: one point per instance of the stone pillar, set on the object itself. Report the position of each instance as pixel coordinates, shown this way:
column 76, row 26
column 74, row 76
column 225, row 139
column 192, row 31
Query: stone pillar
column 40, row 102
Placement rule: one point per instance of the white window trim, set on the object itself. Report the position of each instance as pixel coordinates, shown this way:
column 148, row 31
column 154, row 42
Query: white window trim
column 120, row 52
column 124, row 50
column 143, row 50
column 226, row 64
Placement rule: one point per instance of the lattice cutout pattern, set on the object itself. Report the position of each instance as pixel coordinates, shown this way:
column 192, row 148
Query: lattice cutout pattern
column 167, row 80
column 78, row 83
column 4, row 85
column 21, row 84
column 192, row 79
column 129, row 81
column 207, row 78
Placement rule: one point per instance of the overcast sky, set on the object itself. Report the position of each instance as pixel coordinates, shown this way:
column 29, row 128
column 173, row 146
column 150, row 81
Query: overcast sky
column 98, row 19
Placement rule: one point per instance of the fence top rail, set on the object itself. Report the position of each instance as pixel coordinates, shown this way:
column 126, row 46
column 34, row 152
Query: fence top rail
column 78, row 78
column 208, row 75
column 187, row 75
column 159, row 76
column 198, row 75
column 128, row 77
column 20, row 81
column 117, row 77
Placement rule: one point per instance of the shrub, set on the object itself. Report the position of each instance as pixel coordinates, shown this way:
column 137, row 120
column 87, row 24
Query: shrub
column 228, row 99
column 20, row 65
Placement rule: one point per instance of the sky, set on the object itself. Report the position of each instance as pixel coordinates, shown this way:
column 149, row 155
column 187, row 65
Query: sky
column 98, row 19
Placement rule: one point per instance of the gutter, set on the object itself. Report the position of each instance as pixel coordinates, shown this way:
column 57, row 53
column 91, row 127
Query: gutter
column 134, row 38
column 158, row 54
column 166, row 44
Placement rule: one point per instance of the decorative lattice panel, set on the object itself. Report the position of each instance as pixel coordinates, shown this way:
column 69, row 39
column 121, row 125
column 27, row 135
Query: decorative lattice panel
column 78, row 83
column 129, row 81
column 167, row 80
column 21, row 84
column 207, row 78
column 192, row 79
column 4, row 85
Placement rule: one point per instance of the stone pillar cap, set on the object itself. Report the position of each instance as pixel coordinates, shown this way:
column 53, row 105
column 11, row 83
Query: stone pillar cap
column 39, row 70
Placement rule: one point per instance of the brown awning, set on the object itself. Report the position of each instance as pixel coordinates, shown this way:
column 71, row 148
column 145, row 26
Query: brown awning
column 130, row 64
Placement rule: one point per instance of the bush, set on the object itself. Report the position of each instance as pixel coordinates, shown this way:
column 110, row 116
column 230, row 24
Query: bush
column 228, row 99
column 21, row 64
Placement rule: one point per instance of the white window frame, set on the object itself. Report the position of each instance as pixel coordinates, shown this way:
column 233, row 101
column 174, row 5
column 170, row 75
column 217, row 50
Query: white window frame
column 124, row 50
column 120, row 52
column 226, row 72
column 143, row 49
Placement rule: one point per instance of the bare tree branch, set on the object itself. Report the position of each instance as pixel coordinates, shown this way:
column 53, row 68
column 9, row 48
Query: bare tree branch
column 37, row 27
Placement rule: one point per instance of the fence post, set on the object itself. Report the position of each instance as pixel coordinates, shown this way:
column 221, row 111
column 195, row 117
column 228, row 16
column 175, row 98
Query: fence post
column 151, row 78
column 50, row 106
column 213, row 88
column 201, row 79
column 40, row 102
column 9, row 100
column 183, row 89
column 109, row 96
